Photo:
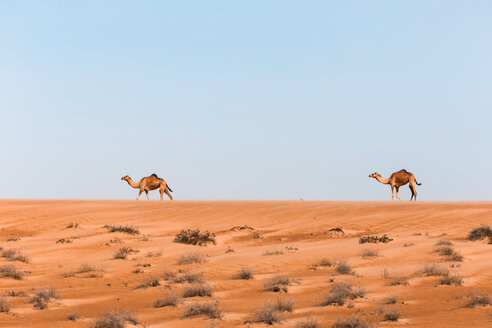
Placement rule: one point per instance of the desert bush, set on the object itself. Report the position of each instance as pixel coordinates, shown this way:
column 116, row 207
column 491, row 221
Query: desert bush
column 408, row 244
column 64, row 241
column 273, row 251
column 203, row 290
column 277, row 283
column 123, row 252
column 343, row 267
column 282, row 304
column 149, row 282
column 15, row 293
column 369, row 252
column 444, row 250
column 392, row 299
column 116, row 319
column 397, row 281
column 243, row 273
column 191, row 257
column 443, row 242
column 391, row 314
column 185, row 276
column 352, row 322
column 432, row 269
column 195, row 237
column 72, row 225
column 267, row 314
column 8, row 270
column 211, row 310
column 481, row 232
column 154, row 254
column 481, row 298
column 42, row 297
column 84, row 268
column 74, row 316
column 14, row 255
column 171, row 299
column 452, row 280
column 339, row 292
column 119, row 228
column 4, row 304
column 374, row 239
column 309, row 323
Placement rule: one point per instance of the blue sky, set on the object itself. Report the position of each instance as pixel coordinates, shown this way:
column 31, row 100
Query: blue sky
column 245, row 100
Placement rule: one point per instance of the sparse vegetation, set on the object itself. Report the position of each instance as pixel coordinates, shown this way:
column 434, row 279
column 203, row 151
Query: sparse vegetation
column 274, row 251
column 481, row 298
column 267, row 314
column 191, row 257
column 309, row 323
column 149, row 282
column 185, row 276
column 432, row 269
column 370, row 252
column 392, row 299
column 119, row 228
column 444, row 250
column 443, row 242
column 452, row 280
column 84, row 268
column 116, row 319
column 13, row 239
column 201, row 289
column 408, row 244
column 154, row 253
column 339, row 293
column 42, row 297
column 15, row 293
column 398, row 281
column 324, row 262
column 123, row 252
column 4, row 304
column 74, row 316
column 243, row 273
column 211, row 310
column 479, row 233
column 391, row 314
column 352, row 322
column 171, row 299
column 343, row 267
column 256, row 235
column 72, row 225
column 282, row 304
column 14, row 255
column 64, row 241
column 195, row 237
column 375, row 239
column 10, row 271
column 277, row 283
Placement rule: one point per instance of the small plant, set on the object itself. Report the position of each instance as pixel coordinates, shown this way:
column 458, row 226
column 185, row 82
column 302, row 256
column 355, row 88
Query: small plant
column 8, row 270
column 273, row 251
column 72, row 225
column 444, row 250
column 243, row 273
column 392, row 299
column 370, row 252
column 119, row 228
column 339, row 292
column 170, row 299
column 185, row 276
column 343, row 267
column 391, row 314
column 64, row 241
column 195, row 237
column 15, row 293
column 452, row 280
column 267, row 314
column 149, row 282
column 74, row 316
column 15, row 255
column 479, row 233
column 13, row 239
column 229, row 250
column 282, row 304
column 481, row 298
column 277, row 283
column 191, row 257
column 408, row 244
column 154, row 254
column 433, row 269
column 144, row 238
column 211, row 310
column 455, row 257
column 202, row 290
column 123, row 252
column 42, row 297
column 374, row 239
column 115, row 319
column 256, row 235
column 4, row 304
column 309, row 323
column 398, row 281
column 443, row 242
column 352, row 322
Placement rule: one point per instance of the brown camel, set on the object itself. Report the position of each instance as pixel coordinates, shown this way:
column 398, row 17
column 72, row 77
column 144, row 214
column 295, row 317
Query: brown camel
column 149, row 183
column 398, row 179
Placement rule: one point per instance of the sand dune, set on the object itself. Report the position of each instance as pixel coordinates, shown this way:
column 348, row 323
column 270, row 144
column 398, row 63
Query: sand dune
column 296, row 233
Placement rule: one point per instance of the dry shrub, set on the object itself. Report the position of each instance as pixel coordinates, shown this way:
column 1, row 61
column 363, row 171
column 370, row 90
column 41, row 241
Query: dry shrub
column 452, row 280
column 273, row 251
column 267, row 314
column 8, row 270
column 282, row 304
column 243, row 273
column 149, row 282
column 309, row 323
column 74, row 316
column 454, row 257
column 481, row 298
column 4, row 304
column 42, row 297
column 171, row 299
column 391, row 314
column 370, row 252
column 72, row 225
column 123, row 252
column 15, row 255
column 277, row 283
column 444, row 250
column 195, row 237
column 443, row 242
column 211, row 310
column 392, row 299
column 202, row 290
column 84, row 268
column 432, row 269
column 64, row 241
column 191, row 257
column 339, row 293
column 116, row 319
column 481, row 232
column 119, row 228
column 15, row 293
column 374, row 239
column 352, row 322
column 398, row 281
column 185, row 276
column 154, row 254
column 343, row 267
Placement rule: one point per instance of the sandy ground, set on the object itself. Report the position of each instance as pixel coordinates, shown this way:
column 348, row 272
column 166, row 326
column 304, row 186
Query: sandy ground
column 298, row 232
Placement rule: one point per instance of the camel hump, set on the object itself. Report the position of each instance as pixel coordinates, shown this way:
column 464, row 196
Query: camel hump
column 154, row 175
column 404, row 171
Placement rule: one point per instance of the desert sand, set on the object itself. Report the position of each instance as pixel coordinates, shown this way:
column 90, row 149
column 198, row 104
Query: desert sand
column 296, row 232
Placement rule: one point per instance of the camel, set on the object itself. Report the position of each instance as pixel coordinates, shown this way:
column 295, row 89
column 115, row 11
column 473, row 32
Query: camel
column 149, row 183
column 398, row 179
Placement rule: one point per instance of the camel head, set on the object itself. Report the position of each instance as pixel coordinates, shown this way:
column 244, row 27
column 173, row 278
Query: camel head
column 126, row 178
column 374, row 175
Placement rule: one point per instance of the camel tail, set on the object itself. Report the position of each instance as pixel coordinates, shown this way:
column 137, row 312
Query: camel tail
column 169, row 188
column 418, row 184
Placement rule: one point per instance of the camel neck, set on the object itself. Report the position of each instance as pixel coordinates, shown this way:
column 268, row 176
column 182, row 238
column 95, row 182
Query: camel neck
column 133, row 184
column 384, row 181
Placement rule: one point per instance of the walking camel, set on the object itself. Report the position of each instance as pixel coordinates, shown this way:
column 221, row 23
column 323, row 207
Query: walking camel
column 398, row 179
column 152, row 182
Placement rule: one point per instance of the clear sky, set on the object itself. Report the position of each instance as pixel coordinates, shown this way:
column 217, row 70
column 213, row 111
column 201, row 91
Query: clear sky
column 245, row 100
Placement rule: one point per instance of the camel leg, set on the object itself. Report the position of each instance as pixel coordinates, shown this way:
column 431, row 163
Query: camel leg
column 397, row 196
column 392, row 192
column 161, row 191
column 411, row 198
column 147, row 193
column 414, row 191
column 139, row 193
column 168, row 193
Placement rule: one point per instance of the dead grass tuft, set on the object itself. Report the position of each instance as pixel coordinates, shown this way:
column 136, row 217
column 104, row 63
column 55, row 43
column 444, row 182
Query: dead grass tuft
column 191, row 257
column 277, row 283
column 481, row 298
column 123, row 252
column 8, row 270
column 309, row 323
column 443, row 242
column 119, row 228
column 116, row 319
column 274, row 251
column 392, row 299
column 452, row 280
column 374, row 239
column 433, row 269
column 195, row 237
column 352, row 322
column 370, row 252
column 283, row 304
column 4, row 304
column 74, row 316
column 185, row 276
column 149, row 282
column 171, row 299
column 243, row 273
column 339, row 292
column 481, row 232
column 201, row 289
column 267, row 314
column 343, row 267
column 42, row 297
column 14, row 255
column 211, row 310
